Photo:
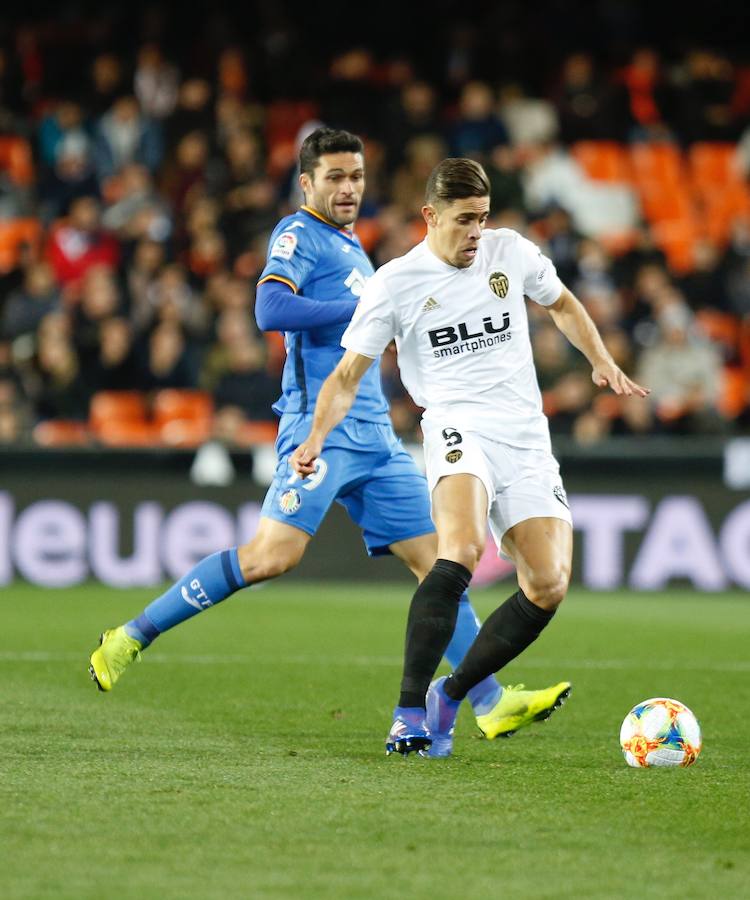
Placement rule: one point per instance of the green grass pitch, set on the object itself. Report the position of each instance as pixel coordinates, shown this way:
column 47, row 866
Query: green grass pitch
column 243, row 758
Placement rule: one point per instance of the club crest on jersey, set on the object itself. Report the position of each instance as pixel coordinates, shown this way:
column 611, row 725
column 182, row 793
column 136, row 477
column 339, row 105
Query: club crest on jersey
column 284, row 245
column 290, row 501
column 453, row 456
column 499, row 284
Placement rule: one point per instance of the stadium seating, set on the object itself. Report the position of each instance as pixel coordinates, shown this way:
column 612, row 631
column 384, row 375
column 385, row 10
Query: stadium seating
column 182, row 418
column 14, row 233
column 603, row 160
column 657, row 162
column 16, row 159
column 61, row 433
column 120, row 418
column 735, row 392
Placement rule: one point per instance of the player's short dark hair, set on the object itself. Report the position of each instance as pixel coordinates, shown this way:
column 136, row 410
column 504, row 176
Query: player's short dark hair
column 327, row 140
column 456, row 178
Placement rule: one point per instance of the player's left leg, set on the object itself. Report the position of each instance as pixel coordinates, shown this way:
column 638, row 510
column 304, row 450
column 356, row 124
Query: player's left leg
column 541, row 548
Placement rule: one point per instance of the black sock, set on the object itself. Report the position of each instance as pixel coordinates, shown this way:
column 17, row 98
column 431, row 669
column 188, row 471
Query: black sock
column 505, row 634
column 429, row 628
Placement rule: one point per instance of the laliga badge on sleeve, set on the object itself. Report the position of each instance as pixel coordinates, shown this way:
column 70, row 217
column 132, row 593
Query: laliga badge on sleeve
column 284, row 245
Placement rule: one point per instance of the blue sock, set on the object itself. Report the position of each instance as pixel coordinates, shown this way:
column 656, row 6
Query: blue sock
column 482, row 696
column 212, row 580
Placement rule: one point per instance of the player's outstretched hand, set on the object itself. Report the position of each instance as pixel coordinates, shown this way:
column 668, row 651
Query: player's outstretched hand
column 304, row 457
column 608, row 374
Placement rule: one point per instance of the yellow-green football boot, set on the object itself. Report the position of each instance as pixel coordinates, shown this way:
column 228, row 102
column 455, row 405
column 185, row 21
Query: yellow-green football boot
column 517, row 708
column 114, row 654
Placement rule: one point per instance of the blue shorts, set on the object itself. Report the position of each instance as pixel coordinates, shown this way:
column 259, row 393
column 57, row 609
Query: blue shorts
column 363, row 467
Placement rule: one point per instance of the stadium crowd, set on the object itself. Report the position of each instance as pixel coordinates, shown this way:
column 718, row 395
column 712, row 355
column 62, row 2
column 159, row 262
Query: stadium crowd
column 138, row 189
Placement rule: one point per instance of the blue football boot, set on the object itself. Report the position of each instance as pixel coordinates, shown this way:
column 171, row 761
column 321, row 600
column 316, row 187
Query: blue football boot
column 409, row 732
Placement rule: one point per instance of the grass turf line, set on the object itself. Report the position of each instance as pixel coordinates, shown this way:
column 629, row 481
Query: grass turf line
column 244, row 756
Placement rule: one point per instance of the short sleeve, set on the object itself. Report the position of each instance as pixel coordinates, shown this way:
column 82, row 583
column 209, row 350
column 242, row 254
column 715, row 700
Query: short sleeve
column 373, row 325
column 540, row 280
column 292, row 254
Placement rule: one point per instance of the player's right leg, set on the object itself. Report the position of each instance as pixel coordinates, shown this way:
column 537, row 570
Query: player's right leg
column 460, row 515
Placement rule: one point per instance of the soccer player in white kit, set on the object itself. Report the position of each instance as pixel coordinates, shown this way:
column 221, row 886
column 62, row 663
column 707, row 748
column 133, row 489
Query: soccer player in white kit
column 455, row 305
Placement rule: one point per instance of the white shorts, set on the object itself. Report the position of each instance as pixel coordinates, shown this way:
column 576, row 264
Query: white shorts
column 520, row 483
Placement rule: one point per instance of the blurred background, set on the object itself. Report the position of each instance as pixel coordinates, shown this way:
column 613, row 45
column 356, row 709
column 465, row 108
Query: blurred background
column 146, row 152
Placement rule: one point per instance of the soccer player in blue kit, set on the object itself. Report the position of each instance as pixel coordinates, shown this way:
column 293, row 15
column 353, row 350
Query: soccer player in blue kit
column 315, row 271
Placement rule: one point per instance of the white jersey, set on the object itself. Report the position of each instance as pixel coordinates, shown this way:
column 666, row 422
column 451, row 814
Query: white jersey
column 462, row 334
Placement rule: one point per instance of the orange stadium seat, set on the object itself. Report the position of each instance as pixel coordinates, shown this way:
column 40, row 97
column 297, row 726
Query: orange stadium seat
column 369, row 232
column 185, row 432
column 171, row 404
column 250, row 433
column 61, row 433
column 16, row 159
column 712, row 164
column 603, row 160
column 745, row 345
column 116, row 407
column 719, row 207
column 124, row 433
column 735, row 392
column 677, row 239
column 658, row 162
column 14, row 233
column 720, row 328
column 182, row 417
column 664, row 202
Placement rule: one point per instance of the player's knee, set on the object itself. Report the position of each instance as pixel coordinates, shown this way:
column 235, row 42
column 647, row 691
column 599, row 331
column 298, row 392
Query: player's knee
column 547, row 588
column 465, row 550
column 260, row 561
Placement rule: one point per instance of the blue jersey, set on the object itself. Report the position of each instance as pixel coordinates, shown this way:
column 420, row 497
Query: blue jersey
column 324, row 262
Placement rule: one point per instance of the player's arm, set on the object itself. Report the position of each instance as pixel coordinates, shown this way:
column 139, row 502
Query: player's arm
column 278, row 307
column 334, row 402
column 570, row 316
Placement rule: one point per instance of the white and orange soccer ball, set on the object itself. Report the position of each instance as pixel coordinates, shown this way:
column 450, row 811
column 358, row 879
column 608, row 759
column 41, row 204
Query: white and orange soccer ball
column 660, row 732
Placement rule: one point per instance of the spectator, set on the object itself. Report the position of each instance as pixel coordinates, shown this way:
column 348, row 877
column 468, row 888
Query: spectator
column 684, row 375
column 106, row 84
column 139, row 281
column 590, row 107
column 62, row 125
column 193, row 112
column 27, row 306
column 166, row 362
column 62, row 392
column 79, row 242
column 703, row 102
column 114, row 367
column 529, row 120
column 123, row 135
column 506, row 184
column 648, row 95
column 184, row 178
column 156, row 82
column 248, row 205
column 414, row 114
column 138, row 211
column 246, row 384
column 72, row 176
column 100, row 299
column 477, row 129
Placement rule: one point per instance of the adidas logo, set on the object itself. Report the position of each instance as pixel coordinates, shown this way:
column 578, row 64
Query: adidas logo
column 430, row 303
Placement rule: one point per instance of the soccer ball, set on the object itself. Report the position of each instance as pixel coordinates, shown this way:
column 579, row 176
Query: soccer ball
column 660, row 732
